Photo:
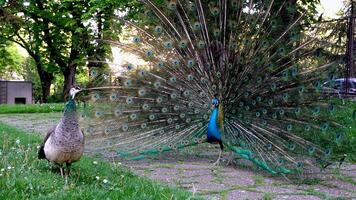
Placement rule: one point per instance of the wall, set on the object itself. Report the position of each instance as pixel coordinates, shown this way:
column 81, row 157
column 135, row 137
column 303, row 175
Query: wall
column 19, row 89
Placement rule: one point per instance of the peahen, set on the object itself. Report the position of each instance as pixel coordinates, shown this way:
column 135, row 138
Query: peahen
column 246, row 75
column 64, row 143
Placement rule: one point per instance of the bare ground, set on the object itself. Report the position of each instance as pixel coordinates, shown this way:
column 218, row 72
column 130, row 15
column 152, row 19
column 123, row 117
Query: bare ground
column 192, row 169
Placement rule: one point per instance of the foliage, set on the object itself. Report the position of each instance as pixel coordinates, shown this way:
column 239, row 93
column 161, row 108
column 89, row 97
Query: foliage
column 61, row 36
column 29, row 73
column 16, row 26
column 31, row 108
column 10, row 61
column 23, row 176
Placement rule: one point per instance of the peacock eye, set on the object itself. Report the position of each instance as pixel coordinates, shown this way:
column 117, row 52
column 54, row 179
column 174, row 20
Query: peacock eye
column 182, row 115
column 173, row 79
column 168, row 45
column 157, row 84
column 129, row 66
column 151, row 117
column 145, row 106
column 143, row 125
column 158, row 29
column 136, row 40
column 125, row 127
column 176, row 63
column 191, row 63
column 197, row 26
column 159, row 99
column 173, row 95
column 160, row 64
column 93, row 73
column 172, row 5
column 183, row 44
column 201, row 44
column 149, row 54
column 311, row 150
column 192, row 6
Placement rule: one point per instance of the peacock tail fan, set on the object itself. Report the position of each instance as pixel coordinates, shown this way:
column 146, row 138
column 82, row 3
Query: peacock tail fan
column 267, row 68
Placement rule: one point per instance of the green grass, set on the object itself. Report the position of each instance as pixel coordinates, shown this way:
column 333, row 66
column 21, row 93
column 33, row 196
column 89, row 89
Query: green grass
column 31, row 108
column 343, row 115
column 348, row 142
column 259, row 180
column 23, row 176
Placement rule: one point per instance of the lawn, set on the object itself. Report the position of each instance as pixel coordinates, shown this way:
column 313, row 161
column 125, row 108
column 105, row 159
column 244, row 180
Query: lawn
column 23, row 176
column 31, row 108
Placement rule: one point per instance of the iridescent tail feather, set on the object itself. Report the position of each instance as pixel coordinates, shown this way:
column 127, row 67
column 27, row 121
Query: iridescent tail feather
column 266, row 68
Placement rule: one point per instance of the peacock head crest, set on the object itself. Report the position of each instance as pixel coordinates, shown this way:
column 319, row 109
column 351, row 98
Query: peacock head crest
column 216, row 101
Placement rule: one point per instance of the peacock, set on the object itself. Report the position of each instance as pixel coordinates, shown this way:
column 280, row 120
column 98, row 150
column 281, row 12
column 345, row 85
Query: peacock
column 245, row 75
column 64, row 143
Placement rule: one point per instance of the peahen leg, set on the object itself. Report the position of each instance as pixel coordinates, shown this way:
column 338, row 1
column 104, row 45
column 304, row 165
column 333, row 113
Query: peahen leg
column 68, row 168
column 68, row 171
column 61, row 170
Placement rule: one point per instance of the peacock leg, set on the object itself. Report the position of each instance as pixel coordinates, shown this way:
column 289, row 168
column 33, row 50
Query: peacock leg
column 218, row 160
column 231, row 157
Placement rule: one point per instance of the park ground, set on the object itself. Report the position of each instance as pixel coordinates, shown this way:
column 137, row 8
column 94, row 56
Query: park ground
column 192, row 170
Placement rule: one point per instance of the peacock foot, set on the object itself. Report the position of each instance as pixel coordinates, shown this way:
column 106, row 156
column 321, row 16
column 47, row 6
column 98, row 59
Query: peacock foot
column 217, row 162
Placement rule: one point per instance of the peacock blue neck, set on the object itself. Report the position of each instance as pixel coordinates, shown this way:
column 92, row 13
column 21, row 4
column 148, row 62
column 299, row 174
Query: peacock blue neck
column 213, row 133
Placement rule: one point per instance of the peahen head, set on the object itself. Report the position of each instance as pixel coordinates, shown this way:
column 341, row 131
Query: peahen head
column 70, row 105
column 73, row 91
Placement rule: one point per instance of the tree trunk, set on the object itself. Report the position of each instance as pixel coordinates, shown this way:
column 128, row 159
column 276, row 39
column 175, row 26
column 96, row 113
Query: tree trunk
column 46, row 87
column 46, row 79
column 69, row 77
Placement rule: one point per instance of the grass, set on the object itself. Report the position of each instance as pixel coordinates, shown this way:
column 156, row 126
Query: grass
column 348, row 143
column 259, row 180
column 31, row 108
column 23, row 176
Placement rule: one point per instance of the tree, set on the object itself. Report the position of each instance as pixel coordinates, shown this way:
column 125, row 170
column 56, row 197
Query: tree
column 61, row 35
column 16, row 27
column 10, row 61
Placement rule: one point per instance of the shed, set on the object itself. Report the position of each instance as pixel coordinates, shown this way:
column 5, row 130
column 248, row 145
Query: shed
column 15, row 92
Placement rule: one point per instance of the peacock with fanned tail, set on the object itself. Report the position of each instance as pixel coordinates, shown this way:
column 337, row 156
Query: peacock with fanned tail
column 241, row 74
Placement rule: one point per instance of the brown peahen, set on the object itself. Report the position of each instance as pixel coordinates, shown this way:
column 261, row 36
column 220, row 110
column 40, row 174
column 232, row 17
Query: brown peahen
column 243, row 74
column 64, row 143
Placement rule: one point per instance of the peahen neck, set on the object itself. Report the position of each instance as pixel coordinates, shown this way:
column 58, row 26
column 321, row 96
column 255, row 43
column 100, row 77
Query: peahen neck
column 69, row 120
column 70, row 106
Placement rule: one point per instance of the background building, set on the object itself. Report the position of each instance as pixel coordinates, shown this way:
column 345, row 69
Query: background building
column 15, row 92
